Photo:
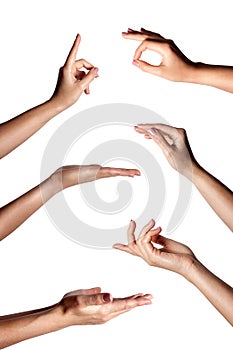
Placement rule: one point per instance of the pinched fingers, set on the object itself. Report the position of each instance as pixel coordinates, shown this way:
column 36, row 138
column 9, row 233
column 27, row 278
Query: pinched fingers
column 86, row 79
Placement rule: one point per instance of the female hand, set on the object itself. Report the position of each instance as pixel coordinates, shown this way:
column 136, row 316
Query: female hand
column 174, row 144
column 71, row 175
column 90, row 306
column 172, row 255
column 72, row 80
column 174, row 66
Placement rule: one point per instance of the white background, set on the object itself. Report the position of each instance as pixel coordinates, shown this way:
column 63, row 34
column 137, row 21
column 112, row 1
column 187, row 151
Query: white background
column 38, row 264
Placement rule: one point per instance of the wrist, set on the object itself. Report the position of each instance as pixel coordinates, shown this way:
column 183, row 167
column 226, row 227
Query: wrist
column 58, row 104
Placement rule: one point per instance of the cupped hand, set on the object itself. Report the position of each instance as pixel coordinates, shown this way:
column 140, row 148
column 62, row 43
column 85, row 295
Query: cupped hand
column 174, row 144
column 174, row 66
column 90, row 306
column 72, row 79
column 71, row 175
column 172, row 255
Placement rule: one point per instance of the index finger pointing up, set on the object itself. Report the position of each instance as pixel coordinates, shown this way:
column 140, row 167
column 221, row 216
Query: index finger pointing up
column 73, row 51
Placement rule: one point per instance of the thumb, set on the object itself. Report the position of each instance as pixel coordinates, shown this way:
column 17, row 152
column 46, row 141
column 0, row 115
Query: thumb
column 91, row 75
column 147, row 67
column 96, row 299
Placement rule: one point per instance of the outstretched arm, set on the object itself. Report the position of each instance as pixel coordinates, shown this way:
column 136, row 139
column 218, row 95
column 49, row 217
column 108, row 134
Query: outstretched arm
column 175, row 66
column 15, row 213
column 175, row 146
column 81, row 307
column 72, row 81
column 178, row 258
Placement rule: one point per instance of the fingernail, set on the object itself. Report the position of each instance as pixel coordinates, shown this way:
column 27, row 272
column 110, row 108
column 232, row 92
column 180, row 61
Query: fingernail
column 135, row 63
column 96, row 70
column 106, row 298
column 77, row 36
column 124, row 33
column 130, row 30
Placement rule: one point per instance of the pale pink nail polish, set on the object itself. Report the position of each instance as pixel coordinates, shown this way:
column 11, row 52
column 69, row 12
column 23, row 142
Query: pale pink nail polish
column 135, row 63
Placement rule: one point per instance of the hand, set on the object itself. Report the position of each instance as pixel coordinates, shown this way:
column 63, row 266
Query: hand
column 172, row 256
column 71, row 175
column 90, row 306
column 72, row 80
column 174, row 66
column 174, row 144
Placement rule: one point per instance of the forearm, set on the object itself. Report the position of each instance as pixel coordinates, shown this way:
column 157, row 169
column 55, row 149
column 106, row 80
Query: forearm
column 214, row 289
column 19, row 129
column 219, row 197
column 19, row 327
column 16, row 212
column 220, row 77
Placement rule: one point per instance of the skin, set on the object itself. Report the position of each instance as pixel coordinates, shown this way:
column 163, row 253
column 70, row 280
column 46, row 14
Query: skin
column 15, row 213
column 175, row 146
column 72, row 82
column 80, row 307
column 175, row 66
column 179, row 258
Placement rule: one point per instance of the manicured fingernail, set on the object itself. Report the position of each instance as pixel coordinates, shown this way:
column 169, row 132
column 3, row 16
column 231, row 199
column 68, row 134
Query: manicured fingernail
column 135, row 63
column 106, row 298
column 96, row 70
column 130, row 30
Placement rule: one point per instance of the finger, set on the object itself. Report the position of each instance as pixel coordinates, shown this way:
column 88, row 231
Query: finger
column 83, row 64
column 123, row 247
column 88, row 78
column 147, row 67
column 159, row 139
column 73, row 51
column 134, row 36
column 149, row 44
column 110, row 172
column 151, row 235
column 131, row 231
column 155, row 35
column 146, row 228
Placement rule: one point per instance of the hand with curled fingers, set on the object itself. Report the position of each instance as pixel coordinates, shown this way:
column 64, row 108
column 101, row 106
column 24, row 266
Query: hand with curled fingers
column 172, row 255
column 174, row 66
column 179, row 258
column 90, row 306
column 72, row 79
column 174, row 144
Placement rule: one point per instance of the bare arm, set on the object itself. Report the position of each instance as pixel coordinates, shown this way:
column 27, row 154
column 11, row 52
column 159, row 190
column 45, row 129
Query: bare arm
column 72, row 81
column 179, row 258
column 81, row 307
column 175, row 66
column 175, row 146
column 15, row 213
